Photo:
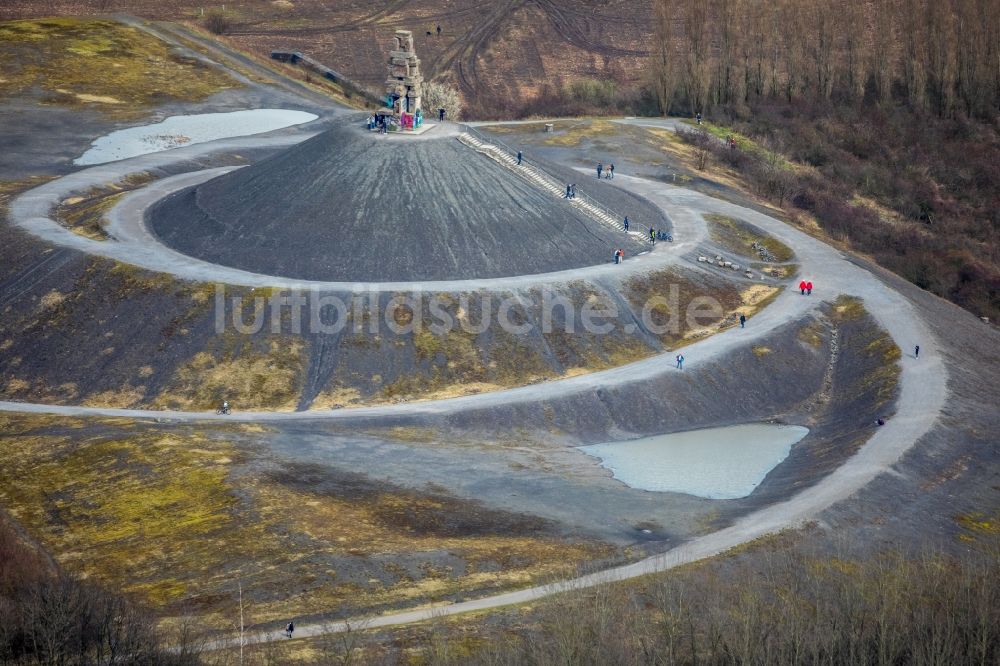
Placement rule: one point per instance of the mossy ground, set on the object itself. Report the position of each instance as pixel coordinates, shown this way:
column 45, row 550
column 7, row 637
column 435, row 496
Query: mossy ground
column 178, row 517
column 732, row 299
column 571, row 133
column 11, row 188
column 264, row 375
column 739, row 237
column 115, row 69
column 812, row 335
column 85, row 214
column 879, row 354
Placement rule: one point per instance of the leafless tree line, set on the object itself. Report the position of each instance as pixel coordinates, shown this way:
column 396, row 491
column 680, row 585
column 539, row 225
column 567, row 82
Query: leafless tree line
column 49, row 617
column 941, row 56
column 777, row 608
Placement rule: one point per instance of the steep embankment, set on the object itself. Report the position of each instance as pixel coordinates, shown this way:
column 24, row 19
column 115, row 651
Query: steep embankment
column 353, row 206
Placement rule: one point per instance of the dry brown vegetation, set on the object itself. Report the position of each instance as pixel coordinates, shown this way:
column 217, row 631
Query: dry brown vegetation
column 774, row 603
column 733, row 298
column 177, row 520
column 889, row 108
column 740, row 237
column 85, row 214
column 51, row 617
column 938, row 56
column 266, row 376
column 102, row 64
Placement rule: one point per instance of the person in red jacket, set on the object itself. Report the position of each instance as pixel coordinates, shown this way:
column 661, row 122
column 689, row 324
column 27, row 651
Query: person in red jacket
column 809, row 288
column 802, row 287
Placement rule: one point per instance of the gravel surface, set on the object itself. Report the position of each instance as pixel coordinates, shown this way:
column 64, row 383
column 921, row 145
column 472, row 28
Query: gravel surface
column 353, row 206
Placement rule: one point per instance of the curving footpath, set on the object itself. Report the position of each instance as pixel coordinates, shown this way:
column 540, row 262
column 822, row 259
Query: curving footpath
column 922, row 395
column 923, row 382
column 133, row 243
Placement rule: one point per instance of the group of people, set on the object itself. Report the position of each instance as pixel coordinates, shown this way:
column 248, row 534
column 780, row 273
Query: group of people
column 619, row 254
column 609, row 173
column 379, row 122
column 570, row 191
column 806, row 287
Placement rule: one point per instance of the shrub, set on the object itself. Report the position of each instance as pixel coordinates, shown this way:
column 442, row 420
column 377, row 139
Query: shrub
column 592, row 92
column 441, row 96
column 217, row 23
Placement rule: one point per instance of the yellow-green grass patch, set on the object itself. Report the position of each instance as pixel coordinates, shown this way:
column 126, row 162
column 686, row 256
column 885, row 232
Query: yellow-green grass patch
column 247, row 375
column 97, row 63
column 178, row 519
column 740, row 237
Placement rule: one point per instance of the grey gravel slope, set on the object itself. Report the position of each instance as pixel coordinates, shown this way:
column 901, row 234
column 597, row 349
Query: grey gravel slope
column 354, row 206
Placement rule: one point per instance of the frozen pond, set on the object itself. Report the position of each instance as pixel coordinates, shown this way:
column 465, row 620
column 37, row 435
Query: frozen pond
column 716, row 463
column 178, row 131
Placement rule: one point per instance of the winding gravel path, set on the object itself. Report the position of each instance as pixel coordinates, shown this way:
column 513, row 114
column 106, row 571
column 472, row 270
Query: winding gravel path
column 922, row 382
column 135, row 244
column 922, row 395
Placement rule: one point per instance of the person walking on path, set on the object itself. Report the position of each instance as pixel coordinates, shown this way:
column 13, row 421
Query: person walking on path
column 569, row 191
column 626, row 223
column 611, row 170
column 743, row 320
column 600, row 168
column 809, row 288
column 916, row 352
column 519, row 156
column 289, row 628
column 652, row 235
column 572, row 191
column 680, row 361
column 802, row 287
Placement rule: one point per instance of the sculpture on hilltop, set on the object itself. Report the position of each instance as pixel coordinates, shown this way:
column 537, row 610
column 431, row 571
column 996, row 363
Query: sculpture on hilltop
column 404, row 84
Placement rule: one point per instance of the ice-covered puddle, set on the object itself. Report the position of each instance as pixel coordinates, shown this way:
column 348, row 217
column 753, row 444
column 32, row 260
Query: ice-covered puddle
column 716, row 463
column 178, row 131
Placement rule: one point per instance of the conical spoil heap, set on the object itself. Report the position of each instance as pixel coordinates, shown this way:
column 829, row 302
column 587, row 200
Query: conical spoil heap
column 351, row 206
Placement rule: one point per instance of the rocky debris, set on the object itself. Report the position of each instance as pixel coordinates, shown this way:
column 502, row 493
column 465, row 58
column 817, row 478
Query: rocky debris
column 763, row 252
column 721, row 263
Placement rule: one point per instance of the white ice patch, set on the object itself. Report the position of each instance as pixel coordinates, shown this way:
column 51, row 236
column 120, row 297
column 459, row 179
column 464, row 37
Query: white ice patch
column 178, row 131
column 716, row 463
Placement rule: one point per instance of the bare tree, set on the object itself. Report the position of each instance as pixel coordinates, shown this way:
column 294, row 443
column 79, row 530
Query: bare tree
column 442, row 96
column 942, row 53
